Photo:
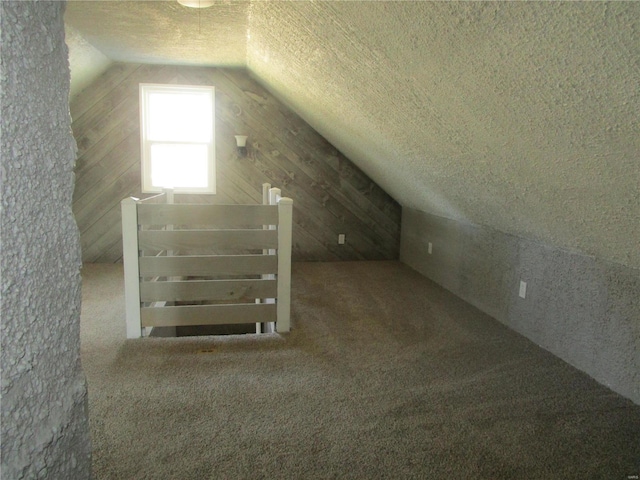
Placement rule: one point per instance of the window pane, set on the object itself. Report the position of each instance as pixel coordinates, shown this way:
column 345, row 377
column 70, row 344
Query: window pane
column 176, row 165
column 177, row 138
column 180, row 117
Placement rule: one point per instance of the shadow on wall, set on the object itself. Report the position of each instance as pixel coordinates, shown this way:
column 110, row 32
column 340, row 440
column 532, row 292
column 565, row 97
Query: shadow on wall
column 581, row 309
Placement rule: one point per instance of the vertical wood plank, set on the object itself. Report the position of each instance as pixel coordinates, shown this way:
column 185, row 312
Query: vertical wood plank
column 131, row 269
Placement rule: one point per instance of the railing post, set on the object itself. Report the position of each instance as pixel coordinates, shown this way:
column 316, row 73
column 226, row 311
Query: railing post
column 265, row 193
column 274, row 197
column 265, row 201
column 285, row 222
column 168, row 195
column 129, row 210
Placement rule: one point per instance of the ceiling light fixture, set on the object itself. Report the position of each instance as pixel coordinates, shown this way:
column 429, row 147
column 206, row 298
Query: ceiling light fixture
column 197, row 3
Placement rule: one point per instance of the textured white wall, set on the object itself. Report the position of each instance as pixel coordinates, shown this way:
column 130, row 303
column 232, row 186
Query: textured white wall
column 44, row 417
column 85, row 61
column 522, row 116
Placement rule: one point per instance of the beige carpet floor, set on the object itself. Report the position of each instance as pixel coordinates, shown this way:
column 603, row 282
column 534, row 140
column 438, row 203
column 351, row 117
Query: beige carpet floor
column 385, row 375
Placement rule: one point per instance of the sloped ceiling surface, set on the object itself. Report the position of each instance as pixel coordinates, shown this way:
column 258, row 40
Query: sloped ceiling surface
column 86, row 62
column 522, row 116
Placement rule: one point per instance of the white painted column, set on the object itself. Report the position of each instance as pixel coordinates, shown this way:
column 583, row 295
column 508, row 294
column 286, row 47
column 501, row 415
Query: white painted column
column 285, row 229
column 129, row 208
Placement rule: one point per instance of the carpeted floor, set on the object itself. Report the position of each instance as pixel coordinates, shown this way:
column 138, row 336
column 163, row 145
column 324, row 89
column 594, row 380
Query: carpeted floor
column 384, row 375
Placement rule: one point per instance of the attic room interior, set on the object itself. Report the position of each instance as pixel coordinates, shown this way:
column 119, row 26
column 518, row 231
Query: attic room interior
column 464, row 270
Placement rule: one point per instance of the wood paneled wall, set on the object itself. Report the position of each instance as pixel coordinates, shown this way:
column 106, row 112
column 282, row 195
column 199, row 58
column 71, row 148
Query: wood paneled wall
column 331, row 195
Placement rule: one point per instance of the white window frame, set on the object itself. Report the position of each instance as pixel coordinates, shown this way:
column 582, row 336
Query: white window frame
column 145, row 143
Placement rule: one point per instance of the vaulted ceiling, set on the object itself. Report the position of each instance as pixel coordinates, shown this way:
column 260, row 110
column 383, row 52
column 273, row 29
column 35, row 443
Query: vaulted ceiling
column 521, row 116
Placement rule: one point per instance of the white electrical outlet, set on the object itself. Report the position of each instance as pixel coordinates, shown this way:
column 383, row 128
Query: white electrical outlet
column 523, row 289
column 430, row 248
column 341, row 238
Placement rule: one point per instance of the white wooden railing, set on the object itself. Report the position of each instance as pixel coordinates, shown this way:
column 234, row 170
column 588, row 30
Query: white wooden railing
column 179, row 271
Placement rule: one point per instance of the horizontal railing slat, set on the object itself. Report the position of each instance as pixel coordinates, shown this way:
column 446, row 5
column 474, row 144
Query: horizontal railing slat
column 196, row 290
column 208, row 315
column 202, row 239
column 202, row 265
column 222, row 215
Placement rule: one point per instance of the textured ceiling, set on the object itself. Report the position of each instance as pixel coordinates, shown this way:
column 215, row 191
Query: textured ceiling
column 522, row 116
column 163, row 31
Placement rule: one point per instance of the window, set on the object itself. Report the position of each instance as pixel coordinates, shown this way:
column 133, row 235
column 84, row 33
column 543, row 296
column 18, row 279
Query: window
column 177, row 135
